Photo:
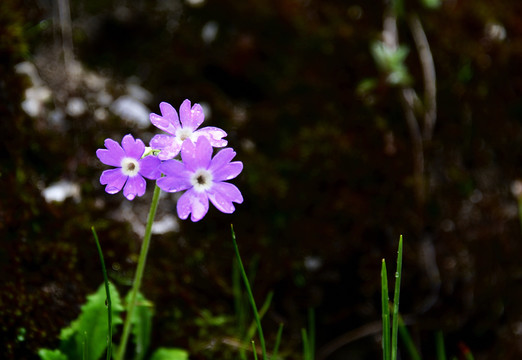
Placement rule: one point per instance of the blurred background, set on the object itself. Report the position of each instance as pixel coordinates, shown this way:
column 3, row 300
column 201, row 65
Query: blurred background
column 349, row 137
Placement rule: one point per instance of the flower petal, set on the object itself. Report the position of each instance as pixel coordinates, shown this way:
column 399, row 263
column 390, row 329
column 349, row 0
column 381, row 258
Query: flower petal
column 109, row 157
column 113, row 155
column 168, row 111
column 228, row 191
column 221, row 202
column 192, row 202
column 222, row 158
column 174, row 168
column 227, row 172
column 214, row 135
column 173, row 184
column 133, row 148
column 196, row 155
column 191, row 118
column 168, row 121
column 149, row 167
column 114, row 146
column 168, row 145
column 135, row 186
column 114, row 179
column 162, row 123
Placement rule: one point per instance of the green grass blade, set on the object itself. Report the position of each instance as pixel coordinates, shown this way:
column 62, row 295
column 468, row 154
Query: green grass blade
column 250, row 294
column 277, row 342
column 311, row 332
column 408, row 341
column 385, row 313
column 107, row 291
column 466, row 352
column 266, row 305
column 395, row 320
column 254, row 350
column 439, row 343
column 239, row 306
column 306, row 345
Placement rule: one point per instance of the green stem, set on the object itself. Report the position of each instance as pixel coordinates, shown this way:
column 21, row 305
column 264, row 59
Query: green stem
column 139, row 274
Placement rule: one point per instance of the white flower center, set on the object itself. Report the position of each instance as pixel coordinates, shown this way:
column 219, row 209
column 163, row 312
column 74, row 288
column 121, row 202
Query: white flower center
column 201, row 180
column 130, row 166
column 183, row 134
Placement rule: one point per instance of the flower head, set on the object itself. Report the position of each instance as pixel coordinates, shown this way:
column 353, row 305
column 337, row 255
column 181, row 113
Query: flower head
column 130, row 167
column 191, row 119
column 204, row 179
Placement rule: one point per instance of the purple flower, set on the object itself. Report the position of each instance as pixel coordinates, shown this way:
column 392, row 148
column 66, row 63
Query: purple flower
column 191, row 119
column 130, row 167
column 203, row 177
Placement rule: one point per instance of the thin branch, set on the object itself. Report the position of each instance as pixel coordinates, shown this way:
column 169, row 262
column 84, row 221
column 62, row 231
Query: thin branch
column 428, row 70
column 407, row 96
column 373, row 328
column 390, row 33
column 64, row 12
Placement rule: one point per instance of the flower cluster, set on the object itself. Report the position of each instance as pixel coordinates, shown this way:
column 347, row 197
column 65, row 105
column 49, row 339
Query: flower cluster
column 195, row 171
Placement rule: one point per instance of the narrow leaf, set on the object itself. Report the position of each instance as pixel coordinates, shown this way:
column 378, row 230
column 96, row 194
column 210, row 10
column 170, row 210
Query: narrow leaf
column 441, row 351
column 277, row 341
column 408, row 341
column 107, row 293
column 385, row 313
column 254, row 350
column 250, row 294
column 395, row 323
column 311, row 332
column 266, row 305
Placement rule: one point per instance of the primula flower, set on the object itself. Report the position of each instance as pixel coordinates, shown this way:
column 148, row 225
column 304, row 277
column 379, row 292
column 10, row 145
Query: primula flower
column 191, row 119
column 130, row 167
column 203, row 177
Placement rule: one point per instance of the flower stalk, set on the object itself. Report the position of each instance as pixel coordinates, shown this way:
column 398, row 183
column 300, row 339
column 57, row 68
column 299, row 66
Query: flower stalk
column 139, row 274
